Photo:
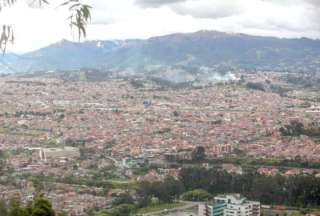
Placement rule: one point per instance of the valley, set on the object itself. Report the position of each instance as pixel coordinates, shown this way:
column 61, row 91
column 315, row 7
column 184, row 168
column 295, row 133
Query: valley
column 89, row 137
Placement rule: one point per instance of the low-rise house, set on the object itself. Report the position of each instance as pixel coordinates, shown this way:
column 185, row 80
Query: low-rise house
column 231, row 168
column 268, row 171
column 151, row 176
column 293, row 172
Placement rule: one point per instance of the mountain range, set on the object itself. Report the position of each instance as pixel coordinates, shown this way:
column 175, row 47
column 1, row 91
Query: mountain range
column 199, row 49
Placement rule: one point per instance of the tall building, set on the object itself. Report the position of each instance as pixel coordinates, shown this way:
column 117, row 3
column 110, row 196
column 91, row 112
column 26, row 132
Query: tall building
column 230, row 205
column 212, row 210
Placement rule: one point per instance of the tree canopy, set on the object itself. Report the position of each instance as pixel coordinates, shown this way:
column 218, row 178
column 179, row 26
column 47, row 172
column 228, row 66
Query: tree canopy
column 199, row 154
column 197, row 195
column 39, row 207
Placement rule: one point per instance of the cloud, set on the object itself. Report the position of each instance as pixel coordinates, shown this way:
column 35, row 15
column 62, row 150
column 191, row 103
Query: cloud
column 316, row 3
column 272, row 17
column 125, row 19
column 211, row 9
column 156, row 3
column 197, row 8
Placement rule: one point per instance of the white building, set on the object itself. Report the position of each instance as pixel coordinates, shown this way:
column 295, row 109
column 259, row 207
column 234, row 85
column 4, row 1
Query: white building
column 230, row 205
column 65, row 152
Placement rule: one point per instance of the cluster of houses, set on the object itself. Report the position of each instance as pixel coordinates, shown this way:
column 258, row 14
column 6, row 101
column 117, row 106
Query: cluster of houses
column 54, row 128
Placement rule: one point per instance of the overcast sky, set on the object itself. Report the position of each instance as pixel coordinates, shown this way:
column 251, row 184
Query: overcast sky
column 123, row 19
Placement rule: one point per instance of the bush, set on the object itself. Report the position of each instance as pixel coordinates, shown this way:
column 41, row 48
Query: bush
column 123, row 210
column 123, row 199
column 255, row 86
column 196, row 195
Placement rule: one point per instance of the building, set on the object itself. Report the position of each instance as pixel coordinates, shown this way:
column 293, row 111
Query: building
column 217, row 209
column 221, row 149
column 230, row 205
column 182, row 155
column 231, row 168
column 52, row 153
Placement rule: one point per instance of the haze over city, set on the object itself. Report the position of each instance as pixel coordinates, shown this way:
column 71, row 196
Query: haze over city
column 127, row 19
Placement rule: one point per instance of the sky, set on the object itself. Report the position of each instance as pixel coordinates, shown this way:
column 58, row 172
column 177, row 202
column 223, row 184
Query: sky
column 36, row 27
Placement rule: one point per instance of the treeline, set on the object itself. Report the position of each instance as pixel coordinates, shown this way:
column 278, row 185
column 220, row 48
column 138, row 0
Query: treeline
column 200, row 184
column 255, row 86
column 39, row 207
column 198, row 155
column 296, row 128
column 300, row 191
column 34, row 83
column 146, row 194
column 267, row 86
column 31, row 113
column 296, row 162
column 196, row 184
column 305, row 80
column 166, row 191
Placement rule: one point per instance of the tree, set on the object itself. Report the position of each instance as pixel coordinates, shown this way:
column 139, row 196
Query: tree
column 102, row 213
column 3, row 208
column 17, row 210
column 301, row 190
column 37, row 184
column 173, row 187
column 42, row 207
column 166, row 191
column 39, row 207
column 62, row 214
column 196, row 195
column 123, row 210
column 265, row 189
column 198, row 154
column 79, row 18
column 255, row 86
column 295, row 128
column 124, row 198
column 194, row 178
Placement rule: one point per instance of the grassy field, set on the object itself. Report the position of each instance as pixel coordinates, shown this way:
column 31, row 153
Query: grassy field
column 159, row 207
column 272, row 212
column 12, row 132
column 290, row 211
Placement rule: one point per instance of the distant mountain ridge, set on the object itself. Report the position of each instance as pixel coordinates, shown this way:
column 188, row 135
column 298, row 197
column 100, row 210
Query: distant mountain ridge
column 203, row 48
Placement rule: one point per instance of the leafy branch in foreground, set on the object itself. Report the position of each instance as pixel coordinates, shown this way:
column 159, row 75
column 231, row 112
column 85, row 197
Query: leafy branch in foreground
column 7, row 36
column 79, row 18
